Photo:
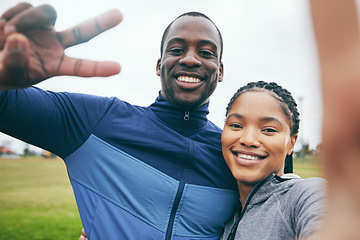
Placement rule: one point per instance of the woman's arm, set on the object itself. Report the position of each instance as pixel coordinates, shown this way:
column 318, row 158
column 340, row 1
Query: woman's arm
column 337, row 33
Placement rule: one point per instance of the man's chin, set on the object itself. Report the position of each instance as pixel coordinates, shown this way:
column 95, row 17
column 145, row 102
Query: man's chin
column 185, row 101
column 188, row 104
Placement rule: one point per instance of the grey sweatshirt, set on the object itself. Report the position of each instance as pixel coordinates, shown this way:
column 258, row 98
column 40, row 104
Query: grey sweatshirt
column 280, row 208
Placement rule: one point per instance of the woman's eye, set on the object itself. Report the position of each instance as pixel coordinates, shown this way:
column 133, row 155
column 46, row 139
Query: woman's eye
column 235, row 125
column 269, row 130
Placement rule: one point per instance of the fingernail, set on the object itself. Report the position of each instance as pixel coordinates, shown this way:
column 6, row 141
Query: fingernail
column 2, row 22
column 9, row 29
column 16, row 44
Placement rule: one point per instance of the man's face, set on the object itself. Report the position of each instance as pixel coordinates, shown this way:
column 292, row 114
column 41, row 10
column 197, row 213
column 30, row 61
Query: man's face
column 190, row 66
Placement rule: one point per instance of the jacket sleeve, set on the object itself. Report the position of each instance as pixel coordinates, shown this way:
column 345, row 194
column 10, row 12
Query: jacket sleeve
column 307, row 202
column 58, row 122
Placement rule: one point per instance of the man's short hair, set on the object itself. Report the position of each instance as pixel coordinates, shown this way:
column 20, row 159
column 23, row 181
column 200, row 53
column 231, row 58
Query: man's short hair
column 193, row 14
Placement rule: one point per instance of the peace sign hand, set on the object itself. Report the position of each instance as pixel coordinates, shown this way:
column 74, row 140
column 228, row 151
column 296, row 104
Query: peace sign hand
column 32, row 51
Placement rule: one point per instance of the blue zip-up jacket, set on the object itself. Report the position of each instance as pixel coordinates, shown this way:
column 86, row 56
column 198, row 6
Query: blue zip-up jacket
column 152, row 172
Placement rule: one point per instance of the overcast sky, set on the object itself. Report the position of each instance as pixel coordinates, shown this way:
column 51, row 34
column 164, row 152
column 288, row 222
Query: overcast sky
column 263, row 40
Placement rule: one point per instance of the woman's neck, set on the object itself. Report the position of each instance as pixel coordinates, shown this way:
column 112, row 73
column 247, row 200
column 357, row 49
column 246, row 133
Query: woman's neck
column 244, row 190
column 246, row 187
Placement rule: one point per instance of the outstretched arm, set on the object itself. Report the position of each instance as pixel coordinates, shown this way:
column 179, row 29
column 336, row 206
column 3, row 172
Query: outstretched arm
column 337, row 33
column 32, row 51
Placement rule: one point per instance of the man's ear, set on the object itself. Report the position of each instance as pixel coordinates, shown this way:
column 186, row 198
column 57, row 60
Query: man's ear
column 292, row 144
column 158, row 66
column 221, row 72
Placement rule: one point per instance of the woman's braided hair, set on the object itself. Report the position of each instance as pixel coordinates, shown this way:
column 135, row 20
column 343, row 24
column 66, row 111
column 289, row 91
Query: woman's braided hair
column 287, row 103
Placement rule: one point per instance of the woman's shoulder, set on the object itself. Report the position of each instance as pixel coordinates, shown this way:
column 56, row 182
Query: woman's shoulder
column 307, row 191
column 304, row 205
column 295, row 182
column 312, row 183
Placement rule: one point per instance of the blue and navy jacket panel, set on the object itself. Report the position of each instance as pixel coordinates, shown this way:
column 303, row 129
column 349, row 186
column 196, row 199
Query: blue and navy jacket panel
column 137, row 172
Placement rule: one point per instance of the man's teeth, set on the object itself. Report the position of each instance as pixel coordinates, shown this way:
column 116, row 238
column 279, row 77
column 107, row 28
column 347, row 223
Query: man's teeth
column 248, row 157
column 188, row 79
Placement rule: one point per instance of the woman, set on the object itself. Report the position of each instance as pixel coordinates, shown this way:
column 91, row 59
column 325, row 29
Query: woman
column 260, row 132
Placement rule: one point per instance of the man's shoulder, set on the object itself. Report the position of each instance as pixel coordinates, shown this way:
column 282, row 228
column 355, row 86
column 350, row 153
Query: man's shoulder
column 214, row 127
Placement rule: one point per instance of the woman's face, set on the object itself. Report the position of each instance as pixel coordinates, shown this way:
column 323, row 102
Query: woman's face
column 256, row 137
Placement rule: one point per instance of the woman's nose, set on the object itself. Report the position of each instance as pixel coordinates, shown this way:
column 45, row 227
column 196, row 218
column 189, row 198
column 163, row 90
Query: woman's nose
column 249, row 138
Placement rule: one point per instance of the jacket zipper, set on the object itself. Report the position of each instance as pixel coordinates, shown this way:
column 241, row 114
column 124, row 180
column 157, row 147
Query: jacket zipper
column 174, row 210
column 179, row 192
column 234, row 227
column 187, row 116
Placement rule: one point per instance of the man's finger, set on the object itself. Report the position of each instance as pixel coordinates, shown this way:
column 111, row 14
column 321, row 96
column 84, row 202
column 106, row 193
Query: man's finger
column 43, row 16
column 86, row 68
column 90, row 28
column 82, row 238
column 83, row 235
column 83, row 232
column 15, row 10
column 15, row 60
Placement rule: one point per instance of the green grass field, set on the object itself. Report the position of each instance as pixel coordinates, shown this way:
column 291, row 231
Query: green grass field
column 37, row 202
column 307, row 168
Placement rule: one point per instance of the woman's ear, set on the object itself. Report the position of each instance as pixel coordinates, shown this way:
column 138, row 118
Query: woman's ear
column 292, row 144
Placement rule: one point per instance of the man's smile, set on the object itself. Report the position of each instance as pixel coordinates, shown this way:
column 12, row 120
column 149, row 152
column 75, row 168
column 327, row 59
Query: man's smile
column 188, row 79
column 188, row 82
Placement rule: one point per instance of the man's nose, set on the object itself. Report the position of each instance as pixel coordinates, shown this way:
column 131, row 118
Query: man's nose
column 190, row 59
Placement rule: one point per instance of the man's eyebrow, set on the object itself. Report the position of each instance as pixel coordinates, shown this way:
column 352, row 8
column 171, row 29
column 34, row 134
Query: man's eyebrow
column 205, row 42
column 202, row 42
column 176, row 40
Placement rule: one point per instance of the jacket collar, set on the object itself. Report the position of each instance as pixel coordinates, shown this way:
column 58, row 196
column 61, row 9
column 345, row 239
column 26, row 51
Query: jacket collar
column 180, row 119
column 271, row 185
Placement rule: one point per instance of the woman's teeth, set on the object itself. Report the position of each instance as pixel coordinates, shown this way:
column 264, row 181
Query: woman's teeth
column 248, row 157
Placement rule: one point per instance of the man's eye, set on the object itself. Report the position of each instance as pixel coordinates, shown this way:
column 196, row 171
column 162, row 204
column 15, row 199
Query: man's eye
column 176, row 50
column 206, row 53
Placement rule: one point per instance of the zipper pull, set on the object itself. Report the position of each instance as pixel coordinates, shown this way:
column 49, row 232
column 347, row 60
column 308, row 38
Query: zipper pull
column 187, row 116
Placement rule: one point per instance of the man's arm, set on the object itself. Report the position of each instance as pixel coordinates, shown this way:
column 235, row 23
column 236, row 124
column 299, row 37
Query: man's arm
column 337, row 33
column 32, row 51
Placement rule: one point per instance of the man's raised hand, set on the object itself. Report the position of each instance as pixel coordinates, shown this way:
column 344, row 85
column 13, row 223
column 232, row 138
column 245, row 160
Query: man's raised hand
column 32, row 51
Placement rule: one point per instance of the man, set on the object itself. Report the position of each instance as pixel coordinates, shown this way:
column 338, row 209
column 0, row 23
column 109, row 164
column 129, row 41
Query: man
column 152, row 172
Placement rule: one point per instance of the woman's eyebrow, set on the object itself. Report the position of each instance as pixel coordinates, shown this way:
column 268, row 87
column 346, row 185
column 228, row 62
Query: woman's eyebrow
column 264, row 119
column 271, row 119
column 236, row 115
